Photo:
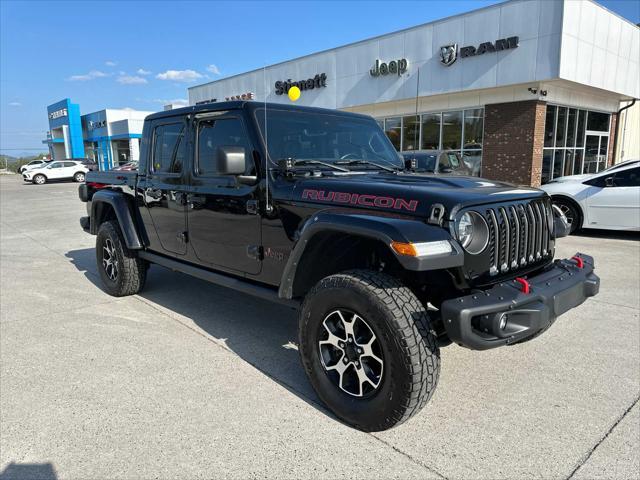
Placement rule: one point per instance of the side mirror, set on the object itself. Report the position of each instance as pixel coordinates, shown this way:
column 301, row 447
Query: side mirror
column 231, row 160
column 608, row 182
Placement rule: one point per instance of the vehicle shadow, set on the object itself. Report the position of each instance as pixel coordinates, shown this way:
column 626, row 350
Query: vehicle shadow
column 22, row 471
column 608, row 234
column 262, row 333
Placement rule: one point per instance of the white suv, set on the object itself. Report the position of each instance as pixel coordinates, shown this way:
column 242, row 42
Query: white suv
column 33, row 164
column 61, row 170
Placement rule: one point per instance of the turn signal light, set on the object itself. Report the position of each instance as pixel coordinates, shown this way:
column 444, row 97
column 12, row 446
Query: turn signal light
column 423, row 249
column 404, row 249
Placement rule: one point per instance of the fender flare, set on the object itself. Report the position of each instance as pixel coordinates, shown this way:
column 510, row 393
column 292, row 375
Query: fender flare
column 121, row 208
column 383, row 228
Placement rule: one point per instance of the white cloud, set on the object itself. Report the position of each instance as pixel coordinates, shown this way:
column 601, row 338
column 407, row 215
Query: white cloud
column 178, row 102
column 110, row 63
column 87, row 76
column 15, row 104
column 213, row 68
column 131, row 80
column 142, row 71
column 179, row 75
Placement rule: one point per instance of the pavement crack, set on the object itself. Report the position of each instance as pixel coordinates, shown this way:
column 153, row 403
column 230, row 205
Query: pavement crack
column 406, row 455
column 588, row 455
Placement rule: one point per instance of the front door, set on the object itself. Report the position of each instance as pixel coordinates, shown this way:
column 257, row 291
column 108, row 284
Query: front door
column 163, row 187
column 224, row 225
column 614, row 200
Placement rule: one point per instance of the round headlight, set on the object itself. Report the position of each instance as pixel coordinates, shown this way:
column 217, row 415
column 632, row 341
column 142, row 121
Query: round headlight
column 465, row 229
column 473, row 232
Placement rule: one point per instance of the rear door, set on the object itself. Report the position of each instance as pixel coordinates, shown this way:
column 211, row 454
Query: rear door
column 224, row 224
column 163, row 185
column 69, row 169
column 616, row 205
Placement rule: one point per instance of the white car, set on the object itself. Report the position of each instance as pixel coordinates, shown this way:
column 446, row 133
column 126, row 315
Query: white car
column 60, row 170
column 609, row 199
column 33, row 164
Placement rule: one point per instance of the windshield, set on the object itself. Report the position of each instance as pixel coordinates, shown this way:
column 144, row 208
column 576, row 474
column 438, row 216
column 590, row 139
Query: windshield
column 328, row 137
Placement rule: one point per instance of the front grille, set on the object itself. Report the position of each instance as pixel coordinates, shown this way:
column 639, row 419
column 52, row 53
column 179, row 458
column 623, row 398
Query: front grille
column 518, row 235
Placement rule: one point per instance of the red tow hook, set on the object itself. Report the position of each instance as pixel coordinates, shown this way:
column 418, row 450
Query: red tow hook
column 524, row 285
column 579, row 261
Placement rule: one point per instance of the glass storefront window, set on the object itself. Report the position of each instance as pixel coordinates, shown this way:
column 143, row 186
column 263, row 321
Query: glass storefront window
column 576, row 141
column 598, row 122
column 459, row 130
column 473, row 128
column 571, row 128
column 411, row 132
column 549, row 125
column 547, row 155
column 452, row 130
column 430, row 131
column 392, row 127
column 561, row 127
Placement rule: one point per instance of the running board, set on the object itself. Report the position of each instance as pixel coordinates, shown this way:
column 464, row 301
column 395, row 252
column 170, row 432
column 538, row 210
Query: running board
column 265, row 293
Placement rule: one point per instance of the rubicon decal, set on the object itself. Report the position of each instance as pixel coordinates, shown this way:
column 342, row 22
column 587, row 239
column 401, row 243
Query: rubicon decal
column 360, row 199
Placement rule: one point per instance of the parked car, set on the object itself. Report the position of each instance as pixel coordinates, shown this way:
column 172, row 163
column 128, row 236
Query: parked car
column 90, row 164
column 127, row 167
column 57, row 170
column 438, row 162
column 33, row 164
column 324, row 217
column 608, row 200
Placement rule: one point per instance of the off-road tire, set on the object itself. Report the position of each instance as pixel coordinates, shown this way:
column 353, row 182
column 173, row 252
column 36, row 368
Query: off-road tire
column 37, row 182
column 408, row 344
column 132, row 270
column 79, row 177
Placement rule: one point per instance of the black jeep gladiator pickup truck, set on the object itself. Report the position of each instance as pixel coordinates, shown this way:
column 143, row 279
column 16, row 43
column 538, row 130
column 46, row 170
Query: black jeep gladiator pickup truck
column 315, row 208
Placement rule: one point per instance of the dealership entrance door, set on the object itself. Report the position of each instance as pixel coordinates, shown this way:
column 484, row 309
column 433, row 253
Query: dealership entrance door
column 596, row 147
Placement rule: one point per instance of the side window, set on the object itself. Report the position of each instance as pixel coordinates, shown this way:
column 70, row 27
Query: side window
column 453, row 160
column 627, row 178
column 213, row 134
column 168, row 148
column 69, row 164
column 56, row 165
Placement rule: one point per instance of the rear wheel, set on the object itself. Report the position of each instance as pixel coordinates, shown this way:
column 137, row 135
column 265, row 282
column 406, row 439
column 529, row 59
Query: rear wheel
column 570, row 211
column 368, row 349
column 39, row 179
column 79, row 177
column 121, row 271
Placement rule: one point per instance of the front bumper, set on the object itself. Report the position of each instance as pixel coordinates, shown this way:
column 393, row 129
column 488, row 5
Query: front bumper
column 504, row 314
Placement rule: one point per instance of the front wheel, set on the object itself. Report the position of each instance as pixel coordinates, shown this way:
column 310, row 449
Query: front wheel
column 121, row 270
column 368, row 348
column 571, row 212
column 79, row 177
column 39, row 179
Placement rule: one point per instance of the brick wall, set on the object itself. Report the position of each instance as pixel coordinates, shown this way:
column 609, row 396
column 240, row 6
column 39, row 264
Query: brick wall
column 513, row 142
column 612, row 138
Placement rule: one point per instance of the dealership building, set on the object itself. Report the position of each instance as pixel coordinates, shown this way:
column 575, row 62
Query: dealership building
column 525, row 90
column 110, row 137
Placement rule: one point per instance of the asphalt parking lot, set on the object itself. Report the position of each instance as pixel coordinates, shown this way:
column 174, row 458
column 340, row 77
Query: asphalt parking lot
column 191, row 380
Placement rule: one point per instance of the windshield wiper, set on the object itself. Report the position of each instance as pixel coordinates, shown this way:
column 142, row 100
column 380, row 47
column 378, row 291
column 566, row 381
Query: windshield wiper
column 289, row 163
column 368, row 162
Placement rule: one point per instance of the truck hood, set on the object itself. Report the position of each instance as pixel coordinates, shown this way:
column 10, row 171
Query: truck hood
column 406, row 192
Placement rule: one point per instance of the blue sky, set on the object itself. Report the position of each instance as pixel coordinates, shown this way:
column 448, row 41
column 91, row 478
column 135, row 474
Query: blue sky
column 144, row 54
